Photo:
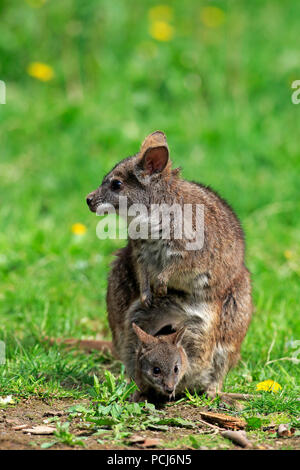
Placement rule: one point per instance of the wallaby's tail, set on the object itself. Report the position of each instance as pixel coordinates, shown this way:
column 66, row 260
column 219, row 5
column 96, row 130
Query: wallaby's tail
column 84, row 344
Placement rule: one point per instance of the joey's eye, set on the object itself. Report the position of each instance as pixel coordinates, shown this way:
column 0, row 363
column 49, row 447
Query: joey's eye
column 156, row 370
column 116, row 185
column 176, row 369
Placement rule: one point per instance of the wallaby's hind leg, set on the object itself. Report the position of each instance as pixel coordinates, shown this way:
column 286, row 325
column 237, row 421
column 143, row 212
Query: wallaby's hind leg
column 215, row 350
column 232, row 327
column 235, row 317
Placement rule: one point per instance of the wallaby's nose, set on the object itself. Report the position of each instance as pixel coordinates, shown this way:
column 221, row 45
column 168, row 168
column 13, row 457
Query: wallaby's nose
column 89, row 200
column 169, row 390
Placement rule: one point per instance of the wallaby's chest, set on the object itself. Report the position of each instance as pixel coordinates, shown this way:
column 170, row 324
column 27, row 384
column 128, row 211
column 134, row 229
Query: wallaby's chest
column 155, row 254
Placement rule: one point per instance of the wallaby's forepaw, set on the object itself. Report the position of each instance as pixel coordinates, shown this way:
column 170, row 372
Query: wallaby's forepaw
column 160, row 288
column 146, row 298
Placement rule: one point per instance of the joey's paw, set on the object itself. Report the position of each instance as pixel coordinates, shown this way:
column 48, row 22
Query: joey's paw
column 146, row 298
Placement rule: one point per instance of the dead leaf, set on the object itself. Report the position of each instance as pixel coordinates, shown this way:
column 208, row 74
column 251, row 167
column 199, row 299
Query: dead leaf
column 51, row 413
column 41, row 430
column 136, row 439
column 283, row 430
column 225, row 421
column 19, row 427
column 238, row 437
column 148, row 442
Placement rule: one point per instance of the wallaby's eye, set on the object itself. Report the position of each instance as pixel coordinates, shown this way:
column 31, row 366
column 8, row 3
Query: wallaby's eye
column 176, row 369
column 116, row 185
column 156, row 370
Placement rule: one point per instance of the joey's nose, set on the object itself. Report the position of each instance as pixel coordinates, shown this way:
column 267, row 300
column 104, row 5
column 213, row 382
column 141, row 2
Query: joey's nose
column 169, row 390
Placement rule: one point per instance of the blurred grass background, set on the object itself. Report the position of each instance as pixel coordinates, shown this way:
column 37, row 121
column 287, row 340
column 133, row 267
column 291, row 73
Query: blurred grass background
column 85, row 82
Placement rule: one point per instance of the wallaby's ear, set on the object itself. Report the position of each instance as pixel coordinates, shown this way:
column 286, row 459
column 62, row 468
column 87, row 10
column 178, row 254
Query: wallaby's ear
column 144, row 337
column 176, row 337
column 154, row 153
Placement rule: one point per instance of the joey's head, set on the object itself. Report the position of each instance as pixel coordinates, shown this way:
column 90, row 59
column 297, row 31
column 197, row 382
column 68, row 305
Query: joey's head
column 161, row 360
column 137, row 178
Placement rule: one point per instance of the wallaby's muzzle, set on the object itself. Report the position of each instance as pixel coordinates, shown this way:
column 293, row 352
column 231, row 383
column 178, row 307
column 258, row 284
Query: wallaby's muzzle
column 90, row 200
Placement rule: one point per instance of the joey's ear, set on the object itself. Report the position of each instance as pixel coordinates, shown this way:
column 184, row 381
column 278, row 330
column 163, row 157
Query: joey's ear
column 176, row 337
column 144, row 337
column 154, row 153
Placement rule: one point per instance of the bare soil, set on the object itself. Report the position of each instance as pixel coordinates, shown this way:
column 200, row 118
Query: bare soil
column 33, row 412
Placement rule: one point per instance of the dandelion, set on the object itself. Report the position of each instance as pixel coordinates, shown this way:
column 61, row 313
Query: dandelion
column 78, row 229
column 269, row 386
column 160, row 13
column 40, row 71
column 161, row 30
column 212, row 17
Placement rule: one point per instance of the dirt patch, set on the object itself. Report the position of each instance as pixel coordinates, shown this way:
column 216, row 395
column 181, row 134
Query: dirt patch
column 35, row 412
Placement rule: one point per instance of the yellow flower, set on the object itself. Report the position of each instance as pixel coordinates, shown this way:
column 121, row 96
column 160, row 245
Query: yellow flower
column 269, row 386
column 78, row 229
column 212, row 17
column 160, row 13
column 161, row 30
column 40, row 71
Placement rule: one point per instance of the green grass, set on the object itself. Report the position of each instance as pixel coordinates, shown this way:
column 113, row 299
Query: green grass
column 63, row 436
column 223, row 97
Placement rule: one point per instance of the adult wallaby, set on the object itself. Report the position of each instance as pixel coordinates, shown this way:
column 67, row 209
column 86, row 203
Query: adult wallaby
column 161, row 282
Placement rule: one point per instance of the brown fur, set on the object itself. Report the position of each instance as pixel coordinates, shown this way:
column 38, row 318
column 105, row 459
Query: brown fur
column 156, row 283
